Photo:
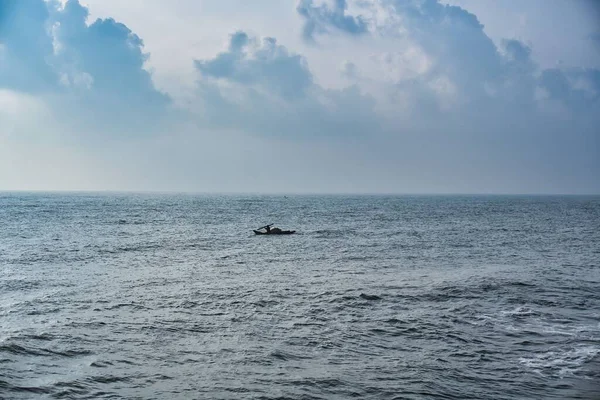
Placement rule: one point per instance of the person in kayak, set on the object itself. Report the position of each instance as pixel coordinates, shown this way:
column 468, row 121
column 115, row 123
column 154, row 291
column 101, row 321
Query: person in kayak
column 269, row 230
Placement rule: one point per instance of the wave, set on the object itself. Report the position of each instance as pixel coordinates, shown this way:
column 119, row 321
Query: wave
column 18, row 285
column 38, row 390
column 333, row 233
column 132, row 248
column 521, row 311
column 561, row 362
column 370, row 297
column 38, row 351
column 475, row 288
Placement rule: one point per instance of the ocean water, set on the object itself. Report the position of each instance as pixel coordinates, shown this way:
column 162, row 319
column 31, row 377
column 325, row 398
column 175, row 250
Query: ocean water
column 110, row 296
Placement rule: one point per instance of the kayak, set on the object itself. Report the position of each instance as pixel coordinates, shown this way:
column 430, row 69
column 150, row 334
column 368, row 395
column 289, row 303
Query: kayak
column 274, row 233
column 271, row 231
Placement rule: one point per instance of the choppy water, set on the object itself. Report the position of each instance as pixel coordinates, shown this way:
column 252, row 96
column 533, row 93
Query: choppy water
column 173, row 297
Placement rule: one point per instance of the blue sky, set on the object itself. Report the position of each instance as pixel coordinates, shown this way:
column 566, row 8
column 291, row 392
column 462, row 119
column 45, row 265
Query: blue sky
column 300, row 96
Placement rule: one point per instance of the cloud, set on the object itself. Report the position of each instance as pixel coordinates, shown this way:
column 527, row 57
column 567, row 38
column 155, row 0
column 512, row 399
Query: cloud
column 424, row 101
column 576, row 88
column 455, row 39
column 440, row 60
column 349, row 70
column 259, row 64
column 516, row 51
column 319, row 19
column 103, row 65
column 468, row 97
column 595, row 39
column 94, row 74
column 259, row 86
column 26, row 47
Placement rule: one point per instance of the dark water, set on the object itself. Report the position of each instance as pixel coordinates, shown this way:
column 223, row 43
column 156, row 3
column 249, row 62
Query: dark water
column 173, row 297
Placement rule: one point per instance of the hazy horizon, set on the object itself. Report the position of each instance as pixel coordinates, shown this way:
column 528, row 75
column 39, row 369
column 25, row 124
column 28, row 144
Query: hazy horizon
column 279, row 194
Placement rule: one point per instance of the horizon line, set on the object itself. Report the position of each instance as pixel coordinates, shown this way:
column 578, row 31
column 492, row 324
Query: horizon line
column 283, row 193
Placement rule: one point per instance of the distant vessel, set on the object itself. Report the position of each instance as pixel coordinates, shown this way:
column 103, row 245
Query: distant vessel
column 267, row 230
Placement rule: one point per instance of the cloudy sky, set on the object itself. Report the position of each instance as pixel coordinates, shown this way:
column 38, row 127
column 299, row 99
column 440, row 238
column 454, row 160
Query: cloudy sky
column 300, row 96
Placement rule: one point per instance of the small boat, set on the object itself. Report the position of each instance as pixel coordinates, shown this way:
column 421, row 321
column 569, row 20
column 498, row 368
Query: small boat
column 271, row 231
column 274, row 233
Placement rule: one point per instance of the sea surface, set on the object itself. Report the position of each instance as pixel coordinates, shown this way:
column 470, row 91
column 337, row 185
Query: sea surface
column 156, row 296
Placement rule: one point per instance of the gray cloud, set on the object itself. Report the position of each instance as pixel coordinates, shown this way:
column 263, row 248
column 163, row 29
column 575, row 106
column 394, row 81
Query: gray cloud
column 480, row 106
column 472, row 116
column 25, row 46
column 119, row 90
column 456, row 38
column 95, row 74
column 577, row 88
column 265, row 64
column 107, row 50
column 595, row 38
column 466, row 61
column 349, row 70
column 319, row 19
column 517, row 51
column 259, row 86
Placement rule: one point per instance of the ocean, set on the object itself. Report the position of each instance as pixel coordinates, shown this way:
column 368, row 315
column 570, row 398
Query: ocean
column 162, row 296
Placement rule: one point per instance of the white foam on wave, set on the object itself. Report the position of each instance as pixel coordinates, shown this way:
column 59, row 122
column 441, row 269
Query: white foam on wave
column 521, row 311
column 561, row 362
column 554, row 330
column 527, row 319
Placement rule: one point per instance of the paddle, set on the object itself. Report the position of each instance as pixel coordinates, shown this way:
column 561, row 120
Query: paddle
column 264, row 227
